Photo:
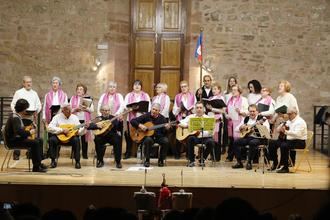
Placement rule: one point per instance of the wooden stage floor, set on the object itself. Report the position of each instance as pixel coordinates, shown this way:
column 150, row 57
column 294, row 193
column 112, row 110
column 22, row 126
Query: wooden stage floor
column 132, row 174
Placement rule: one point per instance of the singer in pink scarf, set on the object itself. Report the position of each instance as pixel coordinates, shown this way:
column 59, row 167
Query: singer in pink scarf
column 163, row 99
column 237, row 108
column 84, row 114
column 266, row 99
column 184, row 102
column 135, row 96
column 55, row 97
column 112, row 99
column 218, row 115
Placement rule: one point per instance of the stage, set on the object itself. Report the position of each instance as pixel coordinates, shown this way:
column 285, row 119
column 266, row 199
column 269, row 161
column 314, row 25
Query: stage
column 68, row 187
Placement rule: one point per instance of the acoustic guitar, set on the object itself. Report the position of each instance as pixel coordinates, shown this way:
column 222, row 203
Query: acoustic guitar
column 137, row 134
column 73, row 130
column 107, row 124
column 29, row 128
column 250, row 128
column 183, row 133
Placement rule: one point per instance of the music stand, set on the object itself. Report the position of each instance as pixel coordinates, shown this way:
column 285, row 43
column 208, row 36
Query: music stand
column 262, row 133
column 201, row 124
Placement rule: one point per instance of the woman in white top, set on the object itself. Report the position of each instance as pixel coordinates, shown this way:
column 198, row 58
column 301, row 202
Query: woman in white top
column 163, row 99
column 112, row 99
column 237, row 109
column 254, row 95
column 82, row 106
column 232, row 81
column 267, row 100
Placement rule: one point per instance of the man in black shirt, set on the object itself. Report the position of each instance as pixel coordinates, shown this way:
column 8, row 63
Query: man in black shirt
column 206, row 90
column 159, row 136
column 18, row 137
column 113, row 137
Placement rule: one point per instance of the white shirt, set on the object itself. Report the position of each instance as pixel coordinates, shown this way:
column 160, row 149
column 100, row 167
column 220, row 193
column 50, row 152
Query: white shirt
column 252, row 122
column 111, row 104
column 166, row 109
column 227, row 96
column 288, row 100
column 81, row 114
column 207, row 90
column 29, row 95
column 185, row 122
column 60, row 119
column 271, row 110
column 253, row 98
column 297, row 129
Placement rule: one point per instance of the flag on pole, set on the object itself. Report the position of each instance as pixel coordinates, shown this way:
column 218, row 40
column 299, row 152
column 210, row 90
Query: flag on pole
column 198, row 50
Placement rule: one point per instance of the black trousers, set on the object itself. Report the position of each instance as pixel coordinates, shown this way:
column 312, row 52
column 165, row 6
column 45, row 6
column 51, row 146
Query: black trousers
column 285, row 146
column 253, row 147
column 84, row 143
column 112, row 138
column 35, row 146
column 26, row 122
column 54, row 142
column 128, row 140
column 193, row 140
column 149, row 141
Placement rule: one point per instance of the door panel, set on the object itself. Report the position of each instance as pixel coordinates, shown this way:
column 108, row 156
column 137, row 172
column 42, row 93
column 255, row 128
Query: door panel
column 171, row 15
column 170, row 52
column 145, row 15
column 144, row 52
column 172, row 79
column 147, row 78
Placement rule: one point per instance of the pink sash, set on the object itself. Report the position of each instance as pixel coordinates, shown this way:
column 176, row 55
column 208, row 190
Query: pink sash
column 116, row 103
column 232, row 124
column 49, row 101
column 266, row 101
column 190, row 103
column 162, row 100
column 132, row 97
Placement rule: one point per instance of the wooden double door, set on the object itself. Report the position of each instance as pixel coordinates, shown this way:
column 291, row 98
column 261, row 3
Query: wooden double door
column 157, row 43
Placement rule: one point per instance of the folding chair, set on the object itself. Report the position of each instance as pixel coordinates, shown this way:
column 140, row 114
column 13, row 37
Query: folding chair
column 305, row 153
column 11, row 150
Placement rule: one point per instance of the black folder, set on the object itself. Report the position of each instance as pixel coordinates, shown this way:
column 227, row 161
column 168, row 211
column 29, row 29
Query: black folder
column 262, row 107
column 141, row 106
column 215, row 103
column 282, row 110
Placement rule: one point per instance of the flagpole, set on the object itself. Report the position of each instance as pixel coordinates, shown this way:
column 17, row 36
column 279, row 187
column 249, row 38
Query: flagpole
column 201, row 66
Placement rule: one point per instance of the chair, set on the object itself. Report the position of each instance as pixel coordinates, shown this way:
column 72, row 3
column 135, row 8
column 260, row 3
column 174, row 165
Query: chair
column 305, row 152
column 58, row 152
column 141, row 146
column 107, row 145
column 10, row 151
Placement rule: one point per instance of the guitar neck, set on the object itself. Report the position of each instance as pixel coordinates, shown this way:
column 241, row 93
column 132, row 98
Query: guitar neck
column 160, row 126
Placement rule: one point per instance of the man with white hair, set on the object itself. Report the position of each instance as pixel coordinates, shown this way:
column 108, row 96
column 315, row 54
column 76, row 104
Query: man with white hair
column 295, row 130
column 159, row 136
column 32, row 97
column 58, row 126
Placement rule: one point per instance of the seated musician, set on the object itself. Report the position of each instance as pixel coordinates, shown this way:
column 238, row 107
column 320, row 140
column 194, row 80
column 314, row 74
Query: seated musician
column 253, row 141
column 295, row 132
column 112, row 136
column 159, row 136
column 18, row 137
column 206, row 137
column 57, row 127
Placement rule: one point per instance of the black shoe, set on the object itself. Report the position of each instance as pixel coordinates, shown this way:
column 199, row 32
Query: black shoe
column 127, row 156
column 118, row 165
column 237, row 166
column 77, row 166
column 39, row 169
column 99, row 164
column 249, row 166
column 283, row 170
column 28, row 155
column 53, row 164
column 85, row 157
column 16, row 157
column 273, row 167
column 160, row 163
column 146, row 163
column 191, row 164
column 43, row 166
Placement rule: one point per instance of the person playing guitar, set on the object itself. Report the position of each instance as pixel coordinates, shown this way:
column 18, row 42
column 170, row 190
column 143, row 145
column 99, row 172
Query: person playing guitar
column 159, row 135
column 247, row 125
column 66, row 127
column 111, row 136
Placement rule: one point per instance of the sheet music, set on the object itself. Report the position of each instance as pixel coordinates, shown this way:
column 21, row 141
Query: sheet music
column 232, row 113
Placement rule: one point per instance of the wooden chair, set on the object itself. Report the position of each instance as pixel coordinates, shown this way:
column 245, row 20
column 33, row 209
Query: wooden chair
column 305, row 153
column 10, row 151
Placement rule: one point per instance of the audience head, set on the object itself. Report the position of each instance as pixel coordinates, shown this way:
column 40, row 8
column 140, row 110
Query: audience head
column 59, row 214
column 235, row 209
column 25, row 211
column 27, row 82
column 21, row 105
column 254, row 86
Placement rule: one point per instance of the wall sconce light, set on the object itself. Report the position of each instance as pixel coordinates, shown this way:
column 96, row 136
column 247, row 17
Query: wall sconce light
column 97, row 62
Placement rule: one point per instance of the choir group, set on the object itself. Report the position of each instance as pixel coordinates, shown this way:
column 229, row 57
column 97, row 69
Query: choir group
column 238, row 122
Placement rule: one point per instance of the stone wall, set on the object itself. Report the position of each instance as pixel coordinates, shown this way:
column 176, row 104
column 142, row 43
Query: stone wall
column 267, row 40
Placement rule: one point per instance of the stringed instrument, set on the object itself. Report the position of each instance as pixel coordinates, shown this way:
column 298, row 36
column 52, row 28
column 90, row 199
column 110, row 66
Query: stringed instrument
column 250, row 128
column 29, row 128
column 107, row 124
column 183, row 133
column 137, row 134
column 281, row 134
column 73, row 130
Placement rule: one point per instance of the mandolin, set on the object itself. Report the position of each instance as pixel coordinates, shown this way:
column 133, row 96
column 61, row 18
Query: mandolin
column 73, row 130
column 183, row 133
column 281, row 134
column 107, row 124
column 137, row 134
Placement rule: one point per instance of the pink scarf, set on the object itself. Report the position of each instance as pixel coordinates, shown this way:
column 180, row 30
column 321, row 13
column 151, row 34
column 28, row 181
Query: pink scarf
column 132, row 97
column 75, row 104
column 49, row 101
column 162, row 100
column 232, row 124
column 218, row 117
column 266, row 101
column 116, row 103
column 190, row 103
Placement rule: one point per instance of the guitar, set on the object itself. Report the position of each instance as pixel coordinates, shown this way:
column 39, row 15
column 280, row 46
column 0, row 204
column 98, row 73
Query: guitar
column 29, row 128
column 73, row 130
column 183, row 133
column 137, row 134
column 107, row 124
column 250, row 128
column 281, row 134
